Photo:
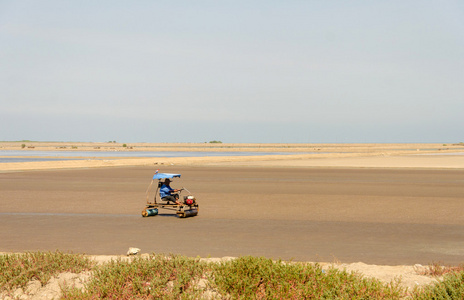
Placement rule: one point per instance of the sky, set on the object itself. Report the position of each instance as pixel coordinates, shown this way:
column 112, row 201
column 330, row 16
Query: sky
column 294, row 71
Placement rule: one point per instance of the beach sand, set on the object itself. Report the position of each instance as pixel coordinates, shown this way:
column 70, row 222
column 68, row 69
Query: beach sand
column 377, row 209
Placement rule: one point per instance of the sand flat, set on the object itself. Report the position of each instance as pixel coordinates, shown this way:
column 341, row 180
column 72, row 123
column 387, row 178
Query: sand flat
column 300, row 155
column 377, row 216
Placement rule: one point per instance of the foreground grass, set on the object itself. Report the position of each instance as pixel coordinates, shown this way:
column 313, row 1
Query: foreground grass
column 451, row 287
column 179, row 277
column 261, row 278
column 16, row 270
column 155, row 277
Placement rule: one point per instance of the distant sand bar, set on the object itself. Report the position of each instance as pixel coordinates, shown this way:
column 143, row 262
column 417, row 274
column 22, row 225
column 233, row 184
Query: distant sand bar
column 306, row 155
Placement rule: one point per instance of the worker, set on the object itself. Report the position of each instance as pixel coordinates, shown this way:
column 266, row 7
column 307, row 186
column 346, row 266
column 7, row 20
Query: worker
column 169, row 194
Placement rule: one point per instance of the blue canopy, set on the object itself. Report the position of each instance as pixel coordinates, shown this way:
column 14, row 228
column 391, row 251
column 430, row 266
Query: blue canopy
column 165, row 175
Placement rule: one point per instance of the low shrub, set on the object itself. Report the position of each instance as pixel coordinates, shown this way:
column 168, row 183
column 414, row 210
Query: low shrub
column 16, row 270
column 450, row 287
column 159, row 276
column 260, row 278
column 156, row 277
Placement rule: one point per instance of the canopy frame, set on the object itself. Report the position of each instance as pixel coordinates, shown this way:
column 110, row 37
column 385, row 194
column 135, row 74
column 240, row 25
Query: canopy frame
column 159, row 177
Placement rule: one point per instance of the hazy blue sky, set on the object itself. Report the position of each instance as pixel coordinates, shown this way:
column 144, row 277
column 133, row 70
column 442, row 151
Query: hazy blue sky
column 236, row 71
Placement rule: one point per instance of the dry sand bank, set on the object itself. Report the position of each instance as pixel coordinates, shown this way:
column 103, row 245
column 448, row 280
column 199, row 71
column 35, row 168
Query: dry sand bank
column 309, row 155
column 340, row 161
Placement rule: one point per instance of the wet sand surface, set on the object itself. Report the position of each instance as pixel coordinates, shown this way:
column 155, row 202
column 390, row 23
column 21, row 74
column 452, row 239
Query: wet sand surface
column 377, row 216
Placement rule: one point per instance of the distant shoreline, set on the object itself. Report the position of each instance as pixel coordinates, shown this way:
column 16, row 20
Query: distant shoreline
column 360, row 147
column 308, row 155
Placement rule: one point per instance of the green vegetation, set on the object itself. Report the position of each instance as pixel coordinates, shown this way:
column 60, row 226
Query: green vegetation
column 451, row 287
column 157, row 276
column 177, row 277
column 215, row 142
column 250, row 277
column 16, row 270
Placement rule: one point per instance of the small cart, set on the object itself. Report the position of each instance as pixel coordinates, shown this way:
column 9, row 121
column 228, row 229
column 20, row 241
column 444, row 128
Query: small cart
column 188, row 208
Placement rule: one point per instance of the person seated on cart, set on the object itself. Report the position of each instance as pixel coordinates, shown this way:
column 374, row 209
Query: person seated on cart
column 169, row 194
